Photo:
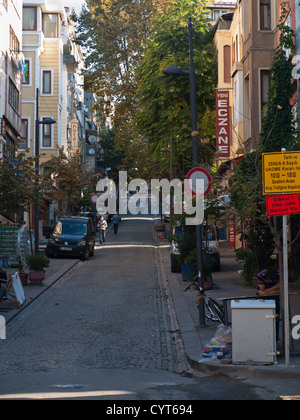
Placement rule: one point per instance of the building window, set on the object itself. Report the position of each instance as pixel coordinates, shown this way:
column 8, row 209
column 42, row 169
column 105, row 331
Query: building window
column 50, row 25
column 265, row 14
column 265, row 83
column 47, row 82
column 227, row 64
column 26, row 73
column 24, row 134
column 14, row 43
column 29, row 18
column 47, row 134
column 247, row 108
column 13, row 96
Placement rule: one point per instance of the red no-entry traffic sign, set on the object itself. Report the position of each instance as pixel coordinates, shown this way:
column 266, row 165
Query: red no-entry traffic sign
column 199, row 174
column 94, row 198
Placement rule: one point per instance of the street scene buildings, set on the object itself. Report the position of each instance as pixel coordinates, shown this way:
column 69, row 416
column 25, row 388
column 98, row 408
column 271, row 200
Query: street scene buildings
column 83, row 97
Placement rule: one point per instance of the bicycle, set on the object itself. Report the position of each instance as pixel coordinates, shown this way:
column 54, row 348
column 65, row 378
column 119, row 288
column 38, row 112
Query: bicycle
column 214, row 311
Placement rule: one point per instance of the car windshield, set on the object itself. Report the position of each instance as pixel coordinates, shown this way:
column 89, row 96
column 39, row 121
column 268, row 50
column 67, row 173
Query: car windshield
column 70, row 228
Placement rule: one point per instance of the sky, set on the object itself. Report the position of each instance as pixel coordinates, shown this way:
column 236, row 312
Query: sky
column 77, row 4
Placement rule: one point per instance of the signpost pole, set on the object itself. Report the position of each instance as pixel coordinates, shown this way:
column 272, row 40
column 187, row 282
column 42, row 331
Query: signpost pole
column 286, row 290
column 281, row 177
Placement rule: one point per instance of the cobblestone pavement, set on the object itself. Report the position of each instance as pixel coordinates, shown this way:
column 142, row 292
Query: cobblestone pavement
column 105, row 325
column 106, row 312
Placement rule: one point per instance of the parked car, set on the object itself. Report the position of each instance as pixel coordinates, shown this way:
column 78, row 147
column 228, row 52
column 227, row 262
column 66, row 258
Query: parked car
column 72, row 236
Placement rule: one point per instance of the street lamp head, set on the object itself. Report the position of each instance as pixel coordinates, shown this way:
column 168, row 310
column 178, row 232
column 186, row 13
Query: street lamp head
column 48, row 121
column 175, row 71
column 165, row 150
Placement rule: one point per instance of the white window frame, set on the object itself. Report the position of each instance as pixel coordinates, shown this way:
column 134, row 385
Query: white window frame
column 273, row 6
column 28, row 130
column 42, row 133
column 42, row 82
column 30, row 73
column 260, row 70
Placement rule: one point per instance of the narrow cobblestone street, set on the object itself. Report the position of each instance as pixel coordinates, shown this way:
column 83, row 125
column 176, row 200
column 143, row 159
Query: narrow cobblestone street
column 104, row 326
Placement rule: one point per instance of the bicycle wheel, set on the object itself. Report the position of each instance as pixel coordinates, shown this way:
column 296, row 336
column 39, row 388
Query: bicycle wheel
column 216, row 312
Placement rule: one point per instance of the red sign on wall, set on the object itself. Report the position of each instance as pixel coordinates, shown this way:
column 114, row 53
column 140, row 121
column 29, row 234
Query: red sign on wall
column 223, row 133
column 280, row 205
column 231, row 232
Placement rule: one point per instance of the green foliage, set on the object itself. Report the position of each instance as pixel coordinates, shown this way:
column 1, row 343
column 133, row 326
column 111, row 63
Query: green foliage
column 17, row 180
column 112, row 33
column 113, row 155
column 257, row 256
column 245, row 186
column 37, row 262
column 71, row 180
column 164, row 102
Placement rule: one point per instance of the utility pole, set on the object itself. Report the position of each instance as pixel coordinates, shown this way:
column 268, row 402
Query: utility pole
column 195, row 145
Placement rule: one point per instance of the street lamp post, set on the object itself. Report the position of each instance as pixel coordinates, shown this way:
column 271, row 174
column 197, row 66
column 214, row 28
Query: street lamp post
column 176, row 71
column 48, row 121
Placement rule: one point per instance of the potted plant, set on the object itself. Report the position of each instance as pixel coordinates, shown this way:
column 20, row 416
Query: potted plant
column 22, row 274
column 37, row 263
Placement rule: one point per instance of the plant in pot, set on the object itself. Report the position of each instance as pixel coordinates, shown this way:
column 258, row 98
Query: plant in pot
column 188, row 258
column 22, row 274
column 37, row 263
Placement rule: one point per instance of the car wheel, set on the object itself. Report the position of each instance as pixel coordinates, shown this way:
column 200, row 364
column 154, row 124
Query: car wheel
column 86, row 255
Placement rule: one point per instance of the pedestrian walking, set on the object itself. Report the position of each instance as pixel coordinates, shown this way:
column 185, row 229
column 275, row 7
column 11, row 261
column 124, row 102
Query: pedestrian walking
column 102, row 226
column 116, row 220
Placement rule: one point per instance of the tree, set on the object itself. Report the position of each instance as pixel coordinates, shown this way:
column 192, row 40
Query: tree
column 112, row 33
column 164, row 102
column 113, row 155
column 17, row 180
column 72, row 181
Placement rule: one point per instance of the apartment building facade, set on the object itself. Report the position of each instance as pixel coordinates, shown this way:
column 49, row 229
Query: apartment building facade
column 245, row 41
column 52, row 86
column 11, row 67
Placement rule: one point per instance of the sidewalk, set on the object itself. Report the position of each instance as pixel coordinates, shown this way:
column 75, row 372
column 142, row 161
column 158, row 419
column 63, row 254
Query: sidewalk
column 229, row 284
column 58, row 267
